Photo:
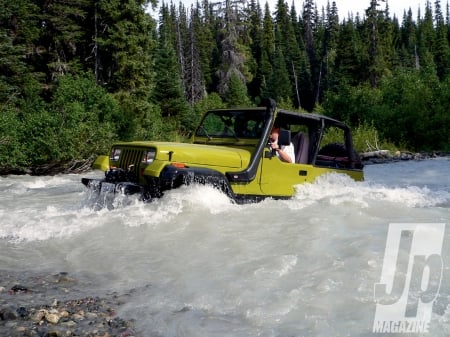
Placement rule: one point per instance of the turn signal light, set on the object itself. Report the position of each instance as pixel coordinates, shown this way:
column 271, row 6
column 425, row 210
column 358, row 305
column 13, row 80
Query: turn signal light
column 179, row 165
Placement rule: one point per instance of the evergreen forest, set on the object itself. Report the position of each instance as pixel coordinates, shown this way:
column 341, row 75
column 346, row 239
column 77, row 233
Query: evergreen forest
column 78, row 75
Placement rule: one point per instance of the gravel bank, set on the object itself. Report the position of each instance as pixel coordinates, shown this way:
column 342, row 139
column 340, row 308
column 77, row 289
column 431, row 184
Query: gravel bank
column 57, row 305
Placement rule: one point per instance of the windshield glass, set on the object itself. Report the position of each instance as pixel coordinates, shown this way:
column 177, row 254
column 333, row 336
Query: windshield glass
column 232, row 124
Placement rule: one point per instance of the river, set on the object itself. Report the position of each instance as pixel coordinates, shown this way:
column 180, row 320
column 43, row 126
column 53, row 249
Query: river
column 195, row 264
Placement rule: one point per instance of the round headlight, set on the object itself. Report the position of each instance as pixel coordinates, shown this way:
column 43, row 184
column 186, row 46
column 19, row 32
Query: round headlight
column 115, row 154
column 149, row 156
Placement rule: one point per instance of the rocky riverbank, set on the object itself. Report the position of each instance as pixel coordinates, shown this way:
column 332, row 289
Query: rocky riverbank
column 58, row 305
column 385, row 156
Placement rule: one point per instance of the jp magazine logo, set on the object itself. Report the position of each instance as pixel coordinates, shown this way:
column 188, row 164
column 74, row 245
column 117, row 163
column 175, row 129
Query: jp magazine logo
column 410, row 279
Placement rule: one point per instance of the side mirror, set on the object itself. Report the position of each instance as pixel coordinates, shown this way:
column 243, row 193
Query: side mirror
column 284, row 138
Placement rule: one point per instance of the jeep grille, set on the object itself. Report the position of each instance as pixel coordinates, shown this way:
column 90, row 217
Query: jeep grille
column 130, row 159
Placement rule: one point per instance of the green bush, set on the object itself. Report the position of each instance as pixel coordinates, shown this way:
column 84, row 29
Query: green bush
column 80, row 121
column 86, row 118
column 12, row 149
column 366, row 138
column 408, row 109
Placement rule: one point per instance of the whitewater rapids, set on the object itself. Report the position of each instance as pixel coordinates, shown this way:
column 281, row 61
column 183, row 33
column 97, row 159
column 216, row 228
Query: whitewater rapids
column 195, row 264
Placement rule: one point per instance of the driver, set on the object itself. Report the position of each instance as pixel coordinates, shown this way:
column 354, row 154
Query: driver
column 285, row 153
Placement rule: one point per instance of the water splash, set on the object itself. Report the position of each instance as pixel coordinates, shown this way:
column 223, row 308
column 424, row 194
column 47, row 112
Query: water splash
column 200, row 265
column 337, row 189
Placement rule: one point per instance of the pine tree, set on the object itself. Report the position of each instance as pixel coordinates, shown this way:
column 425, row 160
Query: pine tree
column 348, row 55
column 125, row 46
column 296, row 59
column 63, row 35
column 408, row 53
column 19, row 32
column 233, row 54
column 389, row 35
column 180, row 26
column 255, row 33
column 441, row 49
column 168, row 92
column 330, row 45
column 207, row 46
column 267, row 51
column 375, row 55
column 279, row 86
column 236, row 94
column 194, row 79
column 228, row 47
column 308, row 22
column 427, row 41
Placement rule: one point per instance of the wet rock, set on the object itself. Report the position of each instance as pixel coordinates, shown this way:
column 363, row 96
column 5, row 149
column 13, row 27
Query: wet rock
column 77, row 317
column 64, row 314
column 106, row 334
column 384, row 156
column 127, row 333
column 44, row 308
column 11, row 325
column 22, row 312
column 21, row 329
column 7, row 315
column 18, row 289
column 42, row 331
column 91, row 315
column 63, row 277
column 40, row 315
column 69, row 324
column 52, row 318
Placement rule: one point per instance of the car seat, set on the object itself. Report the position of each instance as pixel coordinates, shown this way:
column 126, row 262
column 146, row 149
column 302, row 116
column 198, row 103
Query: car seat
column 301, row 147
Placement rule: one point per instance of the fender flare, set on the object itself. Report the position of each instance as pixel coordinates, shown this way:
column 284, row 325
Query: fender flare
column 173, row 177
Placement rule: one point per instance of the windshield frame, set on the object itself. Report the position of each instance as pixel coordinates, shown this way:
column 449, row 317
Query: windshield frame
column 232, row 125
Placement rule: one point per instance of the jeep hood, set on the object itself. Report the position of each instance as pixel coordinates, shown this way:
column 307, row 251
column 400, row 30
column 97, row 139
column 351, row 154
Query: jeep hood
column 201, row 155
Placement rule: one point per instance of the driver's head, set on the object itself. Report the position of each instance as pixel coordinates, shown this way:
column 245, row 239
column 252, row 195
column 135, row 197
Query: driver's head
column 275, row 131
column 274, row 134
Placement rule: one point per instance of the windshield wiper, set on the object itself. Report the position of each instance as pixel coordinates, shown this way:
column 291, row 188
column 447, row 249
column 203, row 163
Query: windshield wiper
column 232, row 132
column 205, row 132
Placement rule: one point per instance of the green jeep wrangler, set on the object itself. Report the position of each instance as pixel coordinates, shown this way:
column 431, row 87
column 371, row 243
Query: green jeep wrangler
column 231, row 151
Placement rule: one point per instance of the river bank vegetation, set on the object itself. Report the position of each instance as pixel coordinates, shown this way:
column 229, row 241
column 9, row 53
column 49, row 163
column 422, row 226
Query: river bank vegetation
column 77, row 75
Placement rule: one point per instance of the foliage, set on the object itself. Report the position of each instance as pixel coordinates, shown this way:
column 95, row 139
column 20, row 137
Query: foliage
column 407, row 109
column 85, row 117
column 212, row 101
column 12, row 154
column 80, row 121
column 366, row 138
column 236, row 94
column 76, row 75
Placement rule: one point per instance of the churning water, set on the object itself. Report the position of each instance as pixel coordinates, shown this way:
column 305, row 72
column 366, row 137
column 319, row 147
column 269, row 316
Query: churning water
column 195, row 264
